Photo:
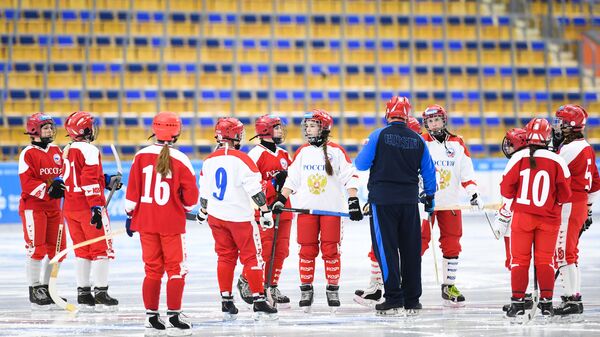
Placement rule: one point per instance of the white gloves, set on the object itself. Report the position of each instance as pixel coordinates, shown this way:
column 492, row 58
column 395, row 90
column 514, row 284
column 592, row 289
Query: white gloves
column 266, row 219
column 201, row 217
column 476, row 202
column 502, row 221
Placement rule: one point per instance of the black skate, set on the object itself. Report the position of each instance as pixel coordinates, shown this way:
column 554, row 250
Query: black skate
column 177, row 325
column 452, row 296
column 263, row 311
column 244, row 289
column 333, row 297
column 280, row 300
column 528, row 303
column 154, row 326
column 413, row 310
column 545, row 306
column 570, row 308
column 45, row 287
column 85, row 299
column 516, row 311
column 370, row 296
column 306, row 297
column 104, row 302
column 388, row 309
column 39, row 298
column 228, row 308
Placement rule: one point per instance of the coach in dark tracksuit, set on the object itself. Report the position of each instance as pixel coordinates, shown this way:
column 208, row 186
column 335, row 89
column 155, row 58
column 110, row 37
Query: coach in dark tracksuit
column 396, row 156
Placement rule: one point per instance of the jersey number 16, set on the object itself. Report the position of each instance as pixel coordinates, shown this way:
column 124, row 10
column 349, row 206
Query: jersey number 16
column 162, row 191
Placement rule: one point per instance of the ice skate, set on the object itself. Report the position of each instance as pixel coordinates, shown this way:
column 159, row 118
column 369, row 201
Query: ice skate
column 228, row 308
column 85, row 299
column 282, row 301
column 413, row 310
column 177, row 324
column 244, row 289
column 371, row 296
column 333, row 297
column 263, row 311
column 104, row 302
column 39, row 298
column 516, row 312
column 306, row 297
column 452, row 296
column 545, row 306
column 154, row 326
column 528, row 303
column 53, row 305
column 570, row 309
column 387, row 309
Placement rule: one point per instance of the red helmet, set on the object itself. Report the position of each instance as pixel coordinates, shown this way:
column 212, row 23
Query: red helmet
column 322, row 118
column 514, row 140
column 35, row 124
column 80, row 125
column 166, row 126
column 398, row 107
column 413, row 124
column 435, row 110
column 265, row 125
column 538, row 132
column 571, row 116
column 229, row 128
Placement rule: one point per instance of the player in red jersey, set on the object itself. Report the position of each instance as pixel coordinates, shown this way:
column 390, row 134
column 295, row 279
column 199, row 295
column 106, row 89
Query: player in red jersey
column 576, row 213
column 161, row 189
column 40, row 168
column 272, row 162
column 85, row 213
column 538, row 181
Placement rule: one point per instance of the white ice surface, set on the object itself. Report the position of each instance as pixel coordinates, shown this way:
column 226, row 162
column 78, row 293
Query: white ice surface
column 481, row 277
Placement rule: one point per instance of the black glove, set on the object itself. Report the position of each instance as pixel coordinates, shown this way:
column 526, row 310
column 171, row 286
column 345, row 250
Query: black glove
column 279, row 180
column 367, row 209
column 278, row 204
column 354, row 209
column 588, row 221
column 57, row 188
column 113, row 181
column 128, row 227
column 96, row 217
column 428, row 201
column 201, row 217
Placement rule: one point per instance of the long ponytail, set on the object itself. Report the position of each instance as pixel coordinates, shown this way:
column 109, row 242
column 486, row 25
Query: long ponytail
column 532, row 162
column 163, row 162
column 328, row 167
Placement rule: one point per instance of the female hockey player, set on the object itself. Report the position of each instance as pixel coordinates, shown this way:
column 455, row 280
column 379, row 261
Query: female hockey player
column 538, row 181
column 373, row 294
column 272, row 162
column 84, row 210
column 228, row 180
column 576, row 213
column 40, row 167
column 455, row 172
column 320, row 173
column 161, row 189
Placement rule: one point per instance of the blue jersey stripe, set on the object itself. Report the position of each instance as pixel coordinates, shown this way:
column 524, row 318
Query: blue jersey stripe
column 383, row 261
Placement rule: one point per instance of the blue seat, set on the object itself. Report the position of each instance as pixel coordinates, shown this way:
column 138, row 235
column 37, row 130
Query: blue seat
column 476, row 148
column 15, row 121
column 132, row 95
column 56, row 95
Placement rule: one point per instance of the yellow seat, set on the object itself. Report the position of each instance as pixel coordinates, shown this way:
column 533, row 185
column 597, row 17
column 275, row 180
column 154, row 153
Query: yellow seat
column 393, row 31
column 113, row 4
column 33, row 26
column 221, row 6
column 330, row 6
column 9, row 4
column 143, row 54
column 29, row 53
column 186, row 5
column 216, row 80
column 144, row 108
column 255, row 30
column 21, row 107
column 212, row 55
column 68, row 53
column 361, row 7
column 219, row 29
column 395, row 6
column 177, row 105
column 71, row 27
column 178, row 80
column 291, row 6
column 37, row 4
column 183, row 29
column 393, row 82
column 64, row 80
column 146, row 28
column 428, row 56
column 180, row 54
column 323, row 55
column 393, row 56
column 110, row 53
column 428, row 7
column 292, row 55
column 110, row 27
column 253, row 55
column 151, row 5
column 29, row 80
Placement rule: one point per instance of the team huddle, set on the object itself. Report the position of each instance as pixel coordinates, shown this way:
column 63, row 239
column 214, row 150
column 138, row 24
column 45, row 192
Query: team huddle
column 249, row 201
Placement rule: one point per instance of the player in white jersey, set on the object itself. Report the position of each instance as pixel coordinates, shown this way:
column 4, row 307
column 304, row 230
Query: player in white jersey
column 229, row 183
column 455, row 175
column 319, row 176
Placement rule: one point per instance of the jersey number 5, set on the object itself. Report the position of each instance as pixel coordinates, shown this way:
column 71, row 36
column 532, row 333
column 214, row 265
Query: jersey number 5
column 539, row 196
column 162, row 190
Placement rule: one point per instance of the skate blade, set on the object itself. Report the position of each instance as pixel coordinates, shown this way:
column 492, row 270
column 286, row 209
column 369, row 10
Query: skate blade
column 227, row 317
column 365, row 302
column 172, row 331
column 37, row 307
column 284, row 306
column 572, row 318
column 261, row 316
column 396, row 312
column 411, row 312
column 333, row 310
column 106, row 308
column 307, row 309
column 154, row 332
column 452, row 304
column 86, row 308
column 517, row 320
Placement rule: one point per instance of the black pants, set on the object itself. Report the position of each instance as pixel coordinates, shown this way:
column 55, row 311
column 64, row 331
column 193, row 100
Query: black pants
column 396, row 238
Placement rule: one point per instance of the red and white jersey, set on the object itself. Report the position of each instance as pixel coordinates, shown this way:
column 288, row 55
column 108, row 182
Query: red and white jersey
column 37, row 169
column 269, row 163
column 313, row 188
column 454, row 170
column 228, row 180
column 83, row 177
column 581, row 161
column 159, row 203
column 541, row 190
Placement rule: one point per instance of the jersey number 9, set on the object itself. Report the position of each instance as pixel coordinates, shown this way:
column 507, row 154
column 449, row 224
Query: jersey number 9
column 221, row 181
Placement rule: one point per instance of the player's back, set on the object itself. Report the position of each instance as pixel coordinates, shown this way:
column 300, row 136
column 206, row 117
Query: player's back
column 83, row 176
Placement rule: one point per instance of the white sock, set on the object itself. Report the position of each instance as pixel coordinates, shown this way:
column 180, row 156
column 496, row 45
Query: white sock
column 376, row 273
column 568, row 275
column 449, row 268
column 33, row 269
column 47, row 268
column 83, row 272
column 578, row 283
column 100, row 272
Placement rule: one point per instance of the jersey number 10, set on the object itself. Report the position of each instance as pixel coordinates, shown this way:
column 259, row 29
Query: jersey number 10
column 539, row 196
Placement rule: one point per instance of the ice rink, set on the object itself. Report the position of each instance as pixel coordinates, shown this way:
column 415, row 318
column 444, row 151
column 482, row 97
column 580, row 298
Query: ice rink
column 482, row 278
